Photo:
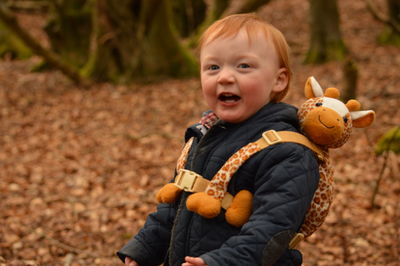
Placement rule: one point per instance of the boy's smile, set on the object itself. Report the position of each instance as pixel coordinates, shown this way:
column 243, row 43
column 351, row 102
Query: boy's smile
column 228, row 99
column 239, row 74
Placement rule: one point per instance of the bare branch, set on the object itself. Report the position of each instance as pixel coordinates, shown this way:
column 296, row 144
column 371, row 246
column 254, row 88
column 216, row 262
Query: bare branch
column 11, row 22
column 246, row 6
column 386, row 156
column 381, row 17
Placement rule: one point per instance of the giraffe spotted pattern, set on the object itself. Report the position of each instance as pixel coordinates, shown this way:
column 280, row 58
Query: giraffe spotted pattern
column 219, row 183
column 322, row 199
column 323, row 196
column 184, row 154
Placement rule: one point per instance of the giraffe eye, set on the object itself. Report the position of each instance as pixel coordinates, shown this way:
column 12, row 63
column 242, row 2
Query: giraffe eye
column 318, row 104
column 345, row 119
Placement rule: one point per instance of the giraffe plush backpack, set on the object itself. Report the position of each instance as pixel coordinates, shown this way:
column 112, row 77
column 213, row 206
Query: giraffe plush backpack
column 325, row 122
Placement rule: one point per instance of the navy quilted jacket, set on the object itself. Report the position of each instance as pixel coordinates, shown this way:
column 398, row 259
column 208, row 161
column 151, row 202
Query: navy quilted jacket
column 282, row 178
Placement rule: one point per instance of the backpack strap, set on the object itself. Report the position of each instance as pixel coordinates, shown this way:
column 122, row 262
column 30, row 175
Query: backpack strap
column 192, row 182
column 219, row 183
column 184, row 154
column 271, row 137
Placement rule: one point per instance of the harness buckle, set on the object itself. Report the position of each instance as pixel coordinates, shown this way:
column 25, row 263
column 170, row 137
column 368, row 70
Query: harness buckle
column 271, row 137
column 186, row 180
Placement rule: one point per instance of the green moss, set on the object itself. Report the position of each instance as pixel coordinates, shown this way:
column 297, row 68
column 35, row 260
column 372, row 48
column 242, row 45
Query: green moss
column 336, row 51
column 389, row 37
column 390, row 141
column 10, row 44
column 41, row 66
column 314, row 57
column 333, row 51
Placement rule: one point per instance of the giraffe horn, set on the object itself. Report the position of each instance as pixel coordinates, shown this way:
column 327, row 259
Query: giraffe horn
column 353, row 105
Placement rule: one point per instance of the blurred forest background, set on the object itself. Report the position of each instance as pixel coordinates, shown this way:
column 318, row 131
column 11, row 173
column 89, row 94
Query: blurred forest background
column 95, row 96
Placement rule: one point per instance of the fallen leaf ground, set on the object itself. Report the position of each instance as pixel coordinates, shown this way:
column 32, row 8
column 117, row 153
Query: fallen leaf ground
column 79, row 168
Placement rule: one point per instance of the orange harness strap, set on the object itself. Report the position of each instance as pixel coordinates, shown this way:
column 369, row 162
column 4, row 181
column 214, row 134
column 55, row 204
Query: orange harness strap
column 192, row 182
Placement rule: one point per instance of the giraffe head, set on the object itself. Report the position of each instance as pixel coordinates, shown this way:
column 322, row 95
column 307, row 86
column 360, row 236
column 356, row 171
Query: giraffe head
column 327, row 121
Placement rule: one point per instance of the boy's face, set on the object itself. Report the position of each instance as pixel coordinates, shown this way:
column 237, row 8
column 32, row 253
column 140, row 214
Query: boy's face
column 238, row 76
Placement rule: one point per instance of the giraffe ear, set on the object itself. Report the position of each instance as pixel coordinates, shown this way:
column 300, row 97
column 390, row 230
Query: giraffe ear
column 312, row 88
column 362, row 118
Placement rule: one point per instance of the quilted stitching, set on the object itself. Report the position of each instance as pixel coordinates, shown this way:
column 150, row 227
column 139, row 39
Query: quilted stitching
column 215, row 240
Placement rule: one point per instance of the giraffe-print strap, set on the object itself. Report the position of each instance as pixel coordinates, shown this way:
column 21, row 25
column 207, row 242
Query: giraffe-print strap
column 322, row 199
column 184, row 154
column 217, row 187
column 219, row 183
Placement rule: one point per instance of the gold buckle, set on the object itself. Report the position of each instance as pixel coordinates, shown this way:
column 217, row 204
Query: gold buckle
column 186, row 180
column 271, row 137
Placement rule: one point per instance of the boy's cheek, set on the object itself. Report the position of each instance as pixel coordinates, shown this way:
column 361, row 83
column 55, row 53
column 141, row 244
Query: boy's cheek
column 208, row 89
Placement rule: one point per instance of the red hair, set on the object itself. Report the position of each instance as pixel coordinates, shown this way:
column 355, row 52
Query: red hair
column 252, row 24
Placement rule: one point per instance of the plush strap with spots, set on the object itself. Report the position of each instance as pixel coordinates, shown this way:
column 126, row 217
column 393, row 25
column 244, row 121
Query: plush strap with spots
column 184, row 154
column 219, row 183
column 217, row 187
column 322, row 199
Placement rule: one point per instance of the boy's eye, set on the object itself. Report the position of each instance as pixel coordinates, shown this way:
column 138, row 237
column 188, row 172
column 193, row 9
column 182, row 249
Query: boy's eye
column 213, row 67
column 244, row 65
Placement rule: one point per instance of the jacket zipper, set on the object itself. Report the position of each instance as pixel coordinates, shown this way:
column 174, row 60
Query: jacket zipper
column 183, row 199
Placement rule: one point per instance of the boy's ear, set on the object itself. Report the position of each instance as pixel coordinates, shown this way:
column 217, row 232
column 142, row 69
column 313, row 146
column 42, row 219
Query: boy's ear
column 281, row 81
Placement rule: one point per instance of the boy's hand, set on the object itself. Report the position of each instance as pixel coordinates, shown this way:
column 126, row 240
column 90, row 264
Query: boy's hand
column 190, row 261
column 130, row 262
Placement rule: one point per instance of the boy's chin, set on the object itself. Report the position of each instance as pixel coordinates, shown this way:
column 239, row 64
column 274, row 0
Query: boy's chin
column 231, row 118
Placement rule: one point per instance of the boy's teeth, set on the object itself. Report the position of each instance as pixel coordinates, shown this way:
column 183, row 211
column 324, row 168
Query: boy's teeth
column 229, row 97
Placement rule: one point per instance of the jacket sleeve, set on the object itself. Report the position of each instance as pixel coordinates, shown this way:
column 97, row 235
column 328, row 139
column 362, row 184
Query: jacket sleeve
column 285, row 182
column 150, row 245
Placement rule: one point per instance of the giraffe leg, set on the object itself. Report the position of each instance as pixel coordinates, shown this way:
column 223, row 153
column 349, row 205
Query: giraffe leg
column 204, row 205
column 168, row 193
column 239, row 212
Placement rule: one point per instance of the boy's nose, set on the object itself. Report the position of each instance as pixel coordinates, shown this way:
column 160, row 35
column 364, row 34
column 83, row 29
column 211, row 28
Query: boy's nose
column 225, row 76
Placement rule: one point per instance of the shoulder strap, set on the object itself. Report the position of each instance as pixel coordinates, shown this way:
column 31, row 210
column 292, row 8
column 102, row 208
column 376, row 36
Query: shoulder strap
column 184, row 154
column 190, row 181
column 271, row 137
column 218, row 185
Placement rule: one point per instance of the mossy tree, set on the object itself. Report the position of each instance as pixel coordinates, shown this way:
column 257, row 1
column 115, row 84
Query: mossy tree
column 326, row 43
column 68, row 28
column 121, row 41
column 391, row 33
column 188, row 15
column 135, row 39
column 11, row 46
column 222, row 8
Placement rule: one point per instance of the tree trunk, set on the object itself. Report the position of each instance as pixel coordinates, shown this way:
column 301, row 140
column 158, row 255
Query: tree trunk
column 221, row 8
column 394, row 10
column 391, row 34
column 188, row 15
column 247, row 6
column 214, row 11
column 350, row 74
column 136, row 39
column 67, row 28
column 11, row 22
column 326, row 43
